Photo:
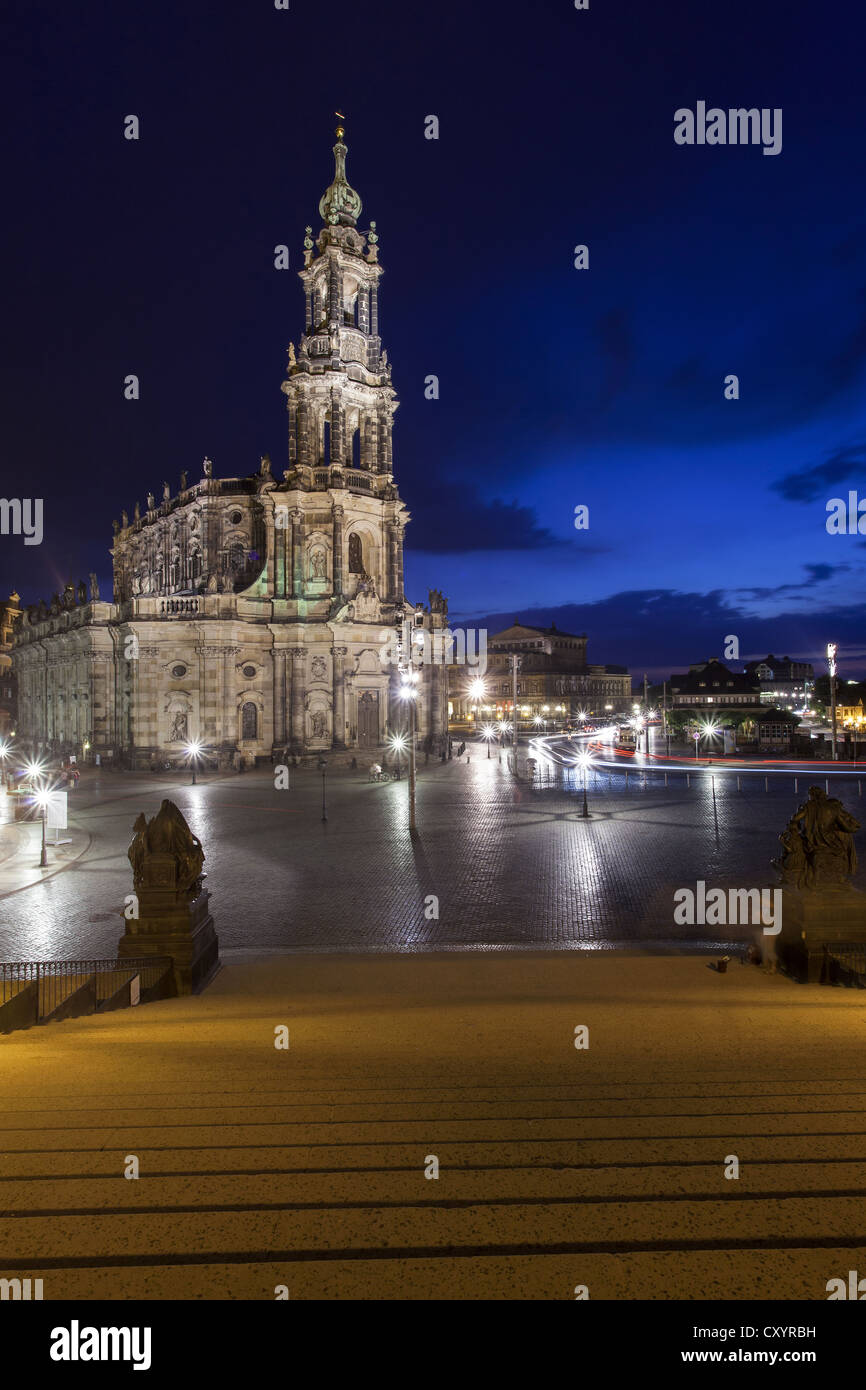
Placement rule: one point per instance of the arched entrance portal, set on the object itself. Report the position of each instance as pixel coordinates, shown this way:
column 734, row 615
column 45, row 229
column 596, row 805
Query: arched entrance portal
column 368, row 719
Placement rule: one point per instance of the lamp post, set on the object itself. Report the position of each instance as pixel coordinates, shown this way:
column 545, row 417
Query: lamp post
column 192, row 751
column 487, row 733
column 831, row 666
column 584, row 760
column 323, row 768
column 409, row 693
column 515, row 660
column 42, row 797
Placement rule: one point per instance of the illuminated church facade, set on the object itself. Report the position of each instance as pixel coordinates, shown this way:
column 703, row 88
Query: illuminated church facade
column 257, row 614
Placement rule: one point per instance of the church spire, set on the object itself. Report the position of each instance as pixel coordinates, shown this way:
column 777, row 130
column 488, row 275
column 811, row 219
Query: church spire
column 340, row 203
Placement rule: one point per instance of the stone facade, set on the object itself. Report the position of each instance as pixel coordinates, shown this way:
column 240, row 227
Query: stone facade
column 554, row 681
column 254, row 614
column 10, row 618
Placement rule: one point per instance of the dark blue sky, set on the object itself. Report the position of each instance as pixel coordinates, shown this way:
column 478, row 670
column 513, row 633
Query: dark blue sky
column 558, row 387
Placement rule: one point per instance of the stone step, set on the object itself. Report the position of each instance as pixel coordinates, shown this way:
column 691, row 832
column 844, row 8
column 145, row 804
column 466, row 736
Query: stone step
column 519, row 1227
column 727, row 1129
column 328, row 1189
column 492, row 1154
column 427, row 1111
column 794, row 1273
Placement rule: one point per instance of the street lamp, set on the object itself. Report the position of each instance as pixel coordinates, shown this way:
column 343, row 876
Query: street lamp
column 322, row 768
column 398, row 744
column 584, row 760
column 477, row 691
column 193, row 749
column 409, row 693
column 831, row 666
column 709, row 730
column 43, row 796
column 487, row 733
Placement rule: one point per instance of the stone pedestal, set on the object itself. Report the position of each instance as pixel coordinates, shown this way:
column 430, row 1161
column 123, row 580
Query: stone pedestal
column 812, row 922
column 173, row 921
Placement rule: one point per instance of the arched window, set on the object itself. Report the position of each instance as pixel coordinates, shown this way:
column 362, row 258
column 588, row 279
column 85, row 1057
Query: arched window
column 356, row 557
column 249, row 720
column 236, row 557
column 195, row 568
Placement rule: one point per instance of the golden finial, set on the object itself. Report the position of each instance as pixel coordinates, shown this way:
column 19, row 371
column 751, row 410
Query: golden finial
column 340, row 131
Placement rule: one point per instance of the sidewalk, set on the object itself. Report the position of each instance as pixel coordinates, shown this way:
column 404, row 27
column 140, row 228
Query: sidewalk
column 21, row 848
column 557, row 1166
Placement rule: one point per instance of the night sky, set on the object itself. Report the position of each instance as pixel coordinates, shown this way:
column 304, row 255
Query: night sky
column 558, row 387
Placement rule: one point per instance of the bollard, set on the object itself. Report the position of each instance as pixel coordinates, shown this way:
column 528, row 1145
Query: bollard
column 626, row 779
column 827, row 785
column 766, row 784
column 859, row 793
column 688, row 779
column 666, row 779
column 739, row 788
column 796, row 780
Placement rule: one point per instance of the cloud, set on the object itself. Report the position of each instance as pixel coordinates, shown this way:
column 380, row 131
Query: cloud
column 455, row 518
column 820, row 480
column 664, row 630
column 815, row 574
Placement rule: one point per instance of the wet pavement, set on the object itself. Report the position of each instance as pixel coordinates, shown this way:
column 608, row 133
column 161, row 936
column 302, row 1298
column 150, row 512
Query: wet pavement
column 497, row 864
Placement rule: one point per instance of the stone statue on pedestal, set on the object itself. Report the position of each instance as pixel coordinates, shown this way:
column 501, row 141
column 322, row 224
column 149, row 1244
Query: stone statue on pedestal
column 166, row 834
column 818, row 844
column 172, row 915
column 823, row 912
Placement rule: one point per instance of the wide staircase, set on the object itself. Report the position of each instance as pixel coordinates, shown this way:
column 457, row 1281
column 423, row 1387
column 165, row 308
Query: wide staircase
column 305, row 1170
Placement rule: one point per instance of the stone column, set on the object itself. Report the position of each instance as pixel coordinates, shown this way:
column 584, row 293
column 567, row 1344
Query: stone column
column 298, row 654
column 374, row 311
column 385, row 449
column 270, row 547
column 391, row 563
column 280, row 733
column 337, row 426
column 364, row 309
column 340, row 654
column 335, row 292
column 372, row 455
column 398, row 564
column 292, row 406
column 338, row 549
column 309, row 299
column 297, row 554
column 305, row 457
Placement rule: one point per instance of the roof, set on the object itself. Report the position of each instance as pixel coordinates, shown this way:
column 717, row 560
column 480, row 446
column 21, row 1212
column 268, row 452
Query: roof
column 710, row 674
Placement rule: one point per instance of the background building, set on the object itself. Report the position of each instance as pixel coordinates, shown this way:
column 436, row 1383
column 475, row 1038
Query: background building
column 554, row 681
column 784, row 683
column 254, row 613
column 10, row 618
column 709, row 693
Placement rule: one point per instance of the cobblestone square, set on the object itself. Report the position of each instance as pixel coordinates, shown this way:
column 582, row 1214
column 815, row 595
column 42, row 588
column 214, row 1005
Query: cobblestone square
column 512, row 866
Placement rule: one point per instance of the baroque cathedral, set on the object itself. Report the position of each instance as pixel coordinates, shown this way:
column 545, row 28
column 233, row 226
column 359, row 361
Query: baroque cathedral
column 257, row 614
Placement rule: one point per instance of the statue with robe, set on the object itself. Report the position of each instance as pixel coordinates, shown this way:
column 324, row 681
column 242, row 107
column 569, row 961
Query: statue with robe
column 818, row 844
column 167, row 833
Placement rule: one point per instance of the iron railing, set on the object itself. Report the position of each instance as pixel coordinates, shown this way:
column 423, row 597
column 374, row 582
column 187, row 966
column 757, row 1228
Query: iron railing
column 79, row 986
column 847, row 963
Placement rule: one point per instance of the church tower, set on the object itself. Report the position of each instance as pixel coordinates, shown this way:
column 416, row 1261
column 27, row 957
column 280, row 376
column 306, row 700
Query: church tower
column 341, row 402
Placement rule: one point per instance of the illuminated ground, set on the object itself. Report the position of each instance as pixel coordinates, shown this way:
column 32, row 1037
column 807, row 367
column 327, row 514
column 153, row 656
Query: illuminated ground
column 510, row 866
column 557, row 1167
